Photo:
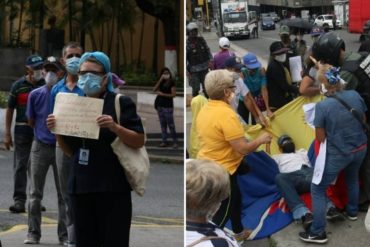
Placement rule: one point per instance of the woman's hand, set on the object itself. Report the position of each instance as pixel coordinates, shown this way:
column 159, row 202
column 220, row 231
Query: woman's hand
column 50, row 121
column 265, row 138
column 106, row 121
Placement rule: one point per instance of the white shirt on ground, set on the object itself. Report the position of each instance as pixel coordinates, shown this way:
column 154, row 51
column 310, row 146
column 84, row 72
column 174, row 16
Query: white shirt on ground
column 291, row 162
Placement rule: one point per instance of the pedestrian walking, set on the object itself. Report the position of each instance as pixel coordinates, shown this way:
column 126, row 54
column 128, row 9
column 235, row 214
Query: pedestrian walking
column 166, row 91
column 100, row 192
column 23, row 133
column 71, row 52
column 43, row 154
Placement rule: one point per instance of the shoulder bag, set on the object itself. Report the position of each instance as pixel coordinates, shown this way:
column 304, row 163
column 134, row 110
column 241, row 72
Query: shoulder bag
column 134, row 161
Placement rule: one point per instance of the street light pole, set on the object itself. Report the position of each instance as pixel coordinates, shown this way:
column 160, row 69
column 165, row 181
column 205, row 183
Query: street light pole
column 322, row 7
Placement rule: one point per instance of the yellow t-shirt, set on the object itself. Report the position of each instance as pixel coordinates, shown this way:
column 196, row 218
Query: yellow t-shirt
column 217, row 124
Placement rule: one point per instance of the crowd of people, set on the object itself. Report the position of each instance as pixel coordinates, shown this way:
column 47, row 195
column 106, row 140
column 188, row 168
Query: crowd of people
column 328, row 70
column 94, row 196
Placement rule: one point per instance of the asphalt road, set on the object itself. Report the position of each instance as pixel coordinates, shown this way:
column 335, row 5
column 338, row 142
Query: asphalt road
column 261, row 45
column 163, row 202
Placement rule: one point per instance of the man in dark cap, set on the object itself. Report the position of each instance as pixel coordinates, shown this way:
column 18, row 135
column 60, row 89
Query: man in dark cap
column 43, row 153
column 279, row 82
column 295, row 179
column 23, row 133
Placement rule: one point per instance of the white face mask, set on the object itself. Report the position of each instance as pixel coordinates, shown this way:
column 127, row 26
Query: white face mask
column 281, row 58
column 37, row 75
column 166, row 76
column 51, row 78
column 323, row 89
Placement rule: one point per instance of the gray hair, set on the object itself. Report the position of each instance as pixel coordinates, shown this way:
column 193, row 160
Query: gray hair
column 207, row 184
column 216, row 82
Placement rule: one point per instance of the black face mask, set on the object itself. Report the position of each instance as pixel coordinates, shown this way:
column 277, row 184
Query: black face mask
column 285, row 38
column 193, row 33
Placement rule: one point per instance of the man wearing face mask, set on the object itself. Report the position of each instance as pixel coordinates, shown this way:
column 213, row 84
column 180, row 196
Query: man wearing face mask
column 279, row 82
column 284, row 33
column 43, row 153
column 23, row 133
column 71, row 52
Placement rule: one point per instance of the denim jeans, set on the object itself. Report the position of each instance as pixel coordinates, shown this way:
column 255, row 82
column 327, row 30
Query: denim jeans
column 42, row 156
column 64, row 165
column 291, row 185
column 350, row 163
column 22, row 149
column 165, row 115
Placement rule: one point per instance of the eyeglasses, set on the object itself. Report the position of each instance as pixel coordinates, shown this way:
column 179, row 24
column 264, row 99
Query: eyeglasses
column 73, row 55
column 90, row 71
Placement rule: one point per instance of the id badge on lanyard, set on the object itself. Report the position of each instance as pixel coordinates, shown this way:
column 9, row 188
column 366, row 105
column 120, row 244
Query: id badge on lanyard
column 83, row 155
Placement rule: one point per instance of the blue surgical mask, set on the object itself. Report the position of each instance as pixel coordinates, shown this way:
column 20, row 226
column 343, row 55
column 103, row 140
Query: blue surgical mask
column 72, row 65
column 90, row 83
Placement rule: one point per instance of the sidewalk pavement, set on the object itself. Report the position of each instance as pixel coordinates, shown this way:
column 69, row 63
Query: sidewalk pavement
column 346, row 233
column 141, row 235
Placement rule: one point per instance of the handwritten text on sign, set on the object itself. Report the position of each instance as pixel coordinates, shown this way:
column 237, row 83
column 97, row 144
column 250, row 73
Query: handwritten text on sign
column 76, row 116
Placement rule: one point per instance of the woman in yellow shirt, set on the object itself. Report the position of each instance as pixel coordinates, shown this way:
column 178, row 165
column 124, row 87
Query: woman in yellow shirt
column 221, row 139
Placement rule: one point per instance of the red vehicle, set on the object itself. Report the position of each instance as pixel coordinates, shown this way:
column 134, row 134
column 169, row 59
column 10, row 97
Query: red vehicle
column 359, row 13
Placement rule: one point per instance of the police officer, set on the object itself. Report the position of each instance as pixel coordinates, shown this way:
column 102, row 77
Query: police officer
column 198, row 58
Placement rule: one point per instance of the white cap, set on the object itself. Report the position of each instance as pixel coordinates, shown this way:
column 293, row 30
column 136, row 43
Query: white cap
column 224, row 43
column 191, row 26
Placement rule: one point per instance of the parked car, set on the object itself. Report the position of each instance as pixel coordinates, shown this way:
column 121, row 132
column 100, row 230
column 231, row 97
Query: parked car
column 267, row 23
column 274, row 16
column 327, row 21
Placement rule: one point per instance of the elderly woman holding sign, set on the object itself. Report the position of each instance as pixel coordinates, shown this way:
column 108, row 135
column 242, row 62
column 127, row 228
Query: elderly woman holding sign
column 101, row 195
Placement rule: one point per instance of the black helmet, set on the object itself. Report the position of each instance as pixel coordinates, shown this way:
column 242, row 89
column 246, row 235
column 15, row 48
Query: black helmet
column 327, row 48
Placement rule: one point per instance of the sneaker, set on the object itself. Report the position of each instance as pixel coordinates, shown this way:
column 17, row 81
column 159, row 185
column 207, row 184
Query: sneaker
column 244, row 235
column 333, row 215
column 351, row 217
column 43, row 209
column 307, row 220
column 31, row 240
column 17, row 208
column 313, row 238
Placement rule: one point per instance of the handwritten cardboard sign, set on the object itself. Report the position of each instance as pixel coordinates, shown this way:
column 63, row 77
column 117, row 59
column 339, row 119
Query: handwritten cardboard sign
column 76, row 116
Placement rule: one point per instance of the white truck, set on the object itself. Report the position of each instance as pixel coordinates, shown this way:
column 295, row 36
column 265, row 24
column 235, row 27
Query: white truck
column 232, row 18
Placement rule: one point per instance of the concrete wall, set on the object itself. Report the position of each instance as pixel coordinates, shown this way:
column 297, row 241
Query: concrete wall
column 12, row 65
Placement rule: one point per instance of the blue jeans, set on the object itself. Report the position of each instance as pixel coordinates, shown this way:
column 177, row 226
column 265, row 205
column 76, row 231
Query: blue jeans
column 165, row 115
column 334, row 164
column 291, row 185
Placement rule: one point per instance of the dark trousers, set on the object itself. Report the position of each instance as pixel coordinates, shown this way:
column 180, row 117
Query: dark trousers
column 365, row 176
column 102, row 219
column 231, row 207
column 22, row 152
